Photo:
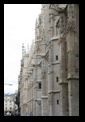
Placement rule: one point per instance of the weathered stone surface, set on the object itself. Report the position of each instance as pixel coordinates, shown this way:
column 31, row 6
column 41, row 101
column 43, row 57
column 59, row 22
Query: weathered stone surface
column 49, row 76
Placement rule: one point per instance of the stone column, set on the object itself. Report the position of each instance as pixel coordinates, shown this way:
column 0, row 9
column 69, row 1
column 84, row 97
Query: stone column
column 34, row 103
column 38, row 109
column 35, row 90
column 51, row 22
column 35, row 100
column 63, row 67
column 50, row 91
column 44, row 97
column 29, row 101
column 63, row 80
column 73, row 58
column 33, row 107
column 50, row 80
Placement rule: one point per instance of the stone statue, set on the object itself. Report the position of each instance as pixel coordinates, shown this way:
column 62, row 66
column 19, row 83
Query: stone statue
column 71, row 25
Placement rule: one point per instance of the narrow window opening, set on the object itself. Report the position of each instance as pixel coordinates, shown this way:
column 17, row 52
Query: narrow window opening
column 57, row 101
column 56, row 57
column 57, row 79
column 39, row 85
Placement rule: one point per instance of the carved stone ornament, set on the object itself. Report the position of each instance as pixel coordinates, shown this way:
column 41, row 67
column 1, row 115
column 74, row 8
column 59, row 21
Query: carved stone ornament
column 43, row 33
column 59, row 8
column 52, row 11
column 71, row 25
column 62, row 6
column 50, row 53
column 61, row 26
column 40, row 19
column 43, row 74
column 53, row 6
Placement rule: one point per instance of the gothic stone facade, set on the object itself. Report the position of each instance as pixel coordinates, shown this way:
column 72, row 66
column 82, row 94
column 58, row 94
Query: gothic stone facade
column 49, row 76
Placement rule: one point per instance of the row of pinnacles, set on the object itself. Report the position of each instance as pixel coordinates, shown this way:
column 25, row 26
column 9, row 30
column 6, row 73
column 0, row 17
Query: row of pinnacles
column 49, row 76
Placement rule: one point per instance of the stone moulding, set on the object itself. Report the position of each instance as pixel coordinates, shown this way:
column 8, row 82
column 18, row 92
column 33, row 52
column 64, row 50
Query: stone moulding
column 44, row 97
column 63, row 82
column 54, row 63
column 72, row 77
column 39, row 40
column 38, row 81
column 55, row 38
column 53, row 91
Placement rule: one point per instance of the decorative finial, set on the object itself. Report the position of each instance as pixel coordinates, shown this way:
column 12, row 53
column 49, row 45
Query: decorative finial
column 28, row 48
column 23, row 50
column 36, row 22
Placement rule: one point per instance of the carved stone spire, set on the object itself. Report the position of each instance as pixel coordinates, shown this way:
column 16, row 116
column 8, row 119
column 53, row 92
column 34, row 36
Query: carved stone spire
column 23, row 50
column 28, row 48
column 36, row 30
column 36, row 23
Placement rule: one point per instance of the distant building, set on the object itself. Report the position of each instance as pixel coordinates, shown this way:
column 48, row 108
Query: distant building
column 9, row 104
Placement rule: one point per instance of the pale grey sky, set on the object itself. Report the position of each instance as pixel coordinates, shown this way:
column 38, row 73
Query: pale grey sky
column 19, row 25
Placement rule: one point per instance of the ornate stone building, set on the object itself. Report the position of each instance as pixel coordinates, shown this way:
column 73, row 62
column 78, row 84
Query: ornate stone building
column 9, row 102
column 49, row 76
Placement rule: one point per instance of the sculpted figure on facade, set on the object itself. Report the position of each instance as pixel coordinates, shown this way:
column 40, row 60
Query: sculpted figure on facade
column 42, row 28
column 40, row 19
column 61, row 26
column 43, row 70
column 59, row 12
column 43, row 74
column 58, row 8
column 71, row 25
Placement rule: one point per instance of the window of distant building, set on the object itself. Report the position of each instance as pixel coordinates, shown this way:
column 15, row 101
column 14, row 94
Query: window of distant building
column 10, row 108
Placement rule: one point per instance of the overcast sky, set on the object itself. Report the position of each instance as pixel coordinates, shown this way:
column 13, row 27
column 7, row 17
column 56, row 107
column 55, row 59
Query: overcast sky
column 19, row 25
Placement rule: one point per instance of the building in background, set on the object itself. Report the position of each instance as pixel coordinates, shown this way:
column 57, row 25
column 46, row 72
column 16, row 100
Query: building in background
column 9, row 102
column 49, row 76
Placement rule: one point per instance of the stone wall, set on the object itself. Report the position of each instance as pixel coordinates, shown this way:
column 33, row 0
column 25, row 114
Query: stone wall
column 51, row 71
